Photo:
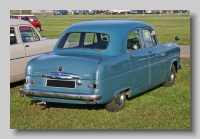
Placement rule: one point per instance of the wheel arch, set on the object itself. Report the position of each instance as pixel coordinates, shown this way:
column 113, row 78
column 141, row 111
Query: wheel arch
column 126, row 90
column 175, row 63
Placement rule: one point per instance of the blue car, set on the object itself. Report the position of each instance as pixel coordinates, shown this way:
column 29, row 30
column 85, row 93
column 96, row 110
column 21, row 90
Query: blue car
column 102, row 62
column 179, row 11
column 60, row 12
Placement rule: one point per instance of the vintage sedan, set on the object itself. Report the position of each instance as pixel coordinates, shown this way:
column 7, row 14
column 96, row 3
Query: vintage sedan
column 102, row 62
column 25, row 44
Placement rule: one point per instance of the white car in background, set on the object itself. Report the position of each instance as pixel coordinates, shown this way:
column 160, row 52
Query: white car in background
column 148, row 11
column 118, row 11
column 25, row 44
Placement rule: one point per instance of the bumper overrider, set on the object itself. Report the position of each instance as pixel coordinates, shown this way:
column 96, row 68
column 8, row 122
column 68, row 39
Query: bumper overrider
column 53, row 94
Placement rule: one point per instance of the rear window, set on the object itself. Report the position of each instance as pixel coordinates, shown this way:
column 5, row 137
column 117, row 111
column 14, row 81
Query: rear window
column 84, row 40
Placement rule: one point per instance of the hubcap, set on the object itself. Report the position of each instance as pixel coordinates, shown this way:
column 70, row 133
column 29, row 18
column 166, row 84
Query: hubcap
column 38, row 29
column 119, row 98
column 171, row 77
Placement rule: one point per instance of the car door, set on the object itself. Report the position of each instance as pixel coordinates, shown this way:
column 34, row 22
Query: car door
column 17, row 56
column 32, row 43
column 138, row 58
column 156, row 56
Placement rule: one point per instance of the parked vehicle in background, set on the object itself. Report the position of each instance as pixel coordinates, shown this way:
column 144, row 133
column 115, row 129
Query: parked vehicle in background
column 100, row 11
column 31, row 19
column 158, row 11
column 102, row 62
column 81, row 11
column 132, row 12
column 60, row 12
column 96, row 11
column 140, row 11
column 179, row 11
column 25, row 44
column 106, row 11
column 118, row 11
column 92, row 11
column 148, row 11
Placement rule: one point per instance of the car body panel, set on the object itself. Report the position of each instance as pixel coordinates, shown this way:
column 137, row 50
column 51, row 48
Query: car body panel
column 102, row 73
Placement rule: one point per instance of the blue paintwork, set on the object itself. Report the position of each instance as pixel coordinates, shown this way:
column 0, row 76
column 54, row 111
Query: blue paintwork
column 112, row 69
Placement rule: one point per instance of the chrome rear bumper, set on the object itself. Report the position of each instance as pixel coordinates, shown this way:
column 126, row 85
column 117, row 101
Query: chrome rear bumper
column 75, row 96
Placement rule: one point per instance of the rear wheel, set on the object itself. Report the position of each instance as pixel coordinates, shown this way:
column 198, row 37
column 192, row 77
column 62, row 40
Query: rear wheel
column 38, row 28
column 117, row 103
column 171, row 78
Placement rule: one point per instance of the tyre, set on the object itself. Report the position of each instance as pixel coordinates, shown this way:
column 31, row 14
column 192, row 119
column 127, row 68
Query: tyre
column 38, row 28
column 117, row 103
column 171, row 79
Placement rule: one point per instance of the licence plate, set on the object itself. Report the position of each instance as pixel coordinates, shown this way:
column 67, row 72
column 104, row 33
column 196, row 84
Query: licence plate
column 60, row 83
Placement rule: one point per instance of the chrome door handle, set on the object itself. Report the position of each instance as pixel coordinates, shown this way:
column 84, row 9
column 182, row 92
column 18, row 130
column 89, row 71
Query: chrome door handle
column 27, row 45
column 149, row 51
column 132, row 56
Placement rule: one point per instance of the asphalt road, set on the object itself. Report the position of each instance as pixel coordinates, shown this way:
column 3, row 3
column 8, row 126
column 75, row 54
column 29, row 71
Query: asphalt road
column 185, row 51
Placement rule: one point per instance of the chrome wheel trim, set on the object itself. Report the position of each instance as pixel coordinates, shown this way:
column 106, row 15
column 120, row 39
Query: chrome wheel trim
column 119, row 99
column 38, row 28
column 171, row 77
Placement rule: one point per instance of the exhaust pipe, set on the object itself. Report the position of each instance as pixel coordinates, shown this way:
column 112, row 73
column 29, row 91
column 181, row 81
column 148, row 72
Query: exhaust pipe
column 21, row 95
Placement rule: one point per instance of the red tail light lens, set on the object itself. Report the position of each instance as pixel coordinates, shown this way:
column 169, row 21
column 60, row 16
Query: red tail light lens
column 89, row 86
column 60, row 68
column 32, row 81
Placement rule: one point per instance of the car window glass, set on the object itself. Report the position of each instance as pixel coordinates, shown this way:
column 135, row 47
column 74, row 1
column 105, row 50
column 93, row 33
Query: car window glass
column 72, row 40
column 14, row 17
column 84, row 40
column 13, row 39
column 149, row 40
column 32, row 18
column 133, row 41
column 90, row 38
column 24, row 18
column 28, row 34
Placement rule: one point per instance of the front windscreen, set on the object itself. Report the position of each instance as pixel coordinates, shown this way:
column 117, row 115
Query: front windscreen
column 84, row 40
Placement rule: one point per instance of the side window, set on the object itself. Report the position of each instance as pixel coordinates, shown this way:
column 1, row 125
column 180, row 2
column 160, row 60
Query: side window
column 149, row 40
column 32, row 18
column 28, row 34
column 13, row 39
column 133, row 41
column 90, row 38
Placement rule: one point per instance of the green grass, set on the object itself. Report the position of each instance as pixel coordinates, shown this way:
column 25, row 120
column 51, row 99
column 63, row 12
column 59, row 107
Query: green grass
column 158, row 108
column 167, row 26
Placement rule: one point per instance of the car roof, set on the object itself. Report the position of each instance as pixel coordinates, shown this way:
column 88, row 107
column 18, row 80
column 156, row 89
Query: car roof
column 23, row 15
column 18, row 21
column 106, row 26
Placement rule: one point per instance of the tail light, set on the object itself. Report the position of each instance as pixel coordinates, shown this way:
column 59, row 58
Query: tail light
column 32, row 81
column 25, row 81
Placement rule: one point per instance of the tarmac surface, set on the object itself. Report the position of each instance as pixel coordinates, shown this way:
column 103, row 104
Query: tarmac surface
column 185, row 51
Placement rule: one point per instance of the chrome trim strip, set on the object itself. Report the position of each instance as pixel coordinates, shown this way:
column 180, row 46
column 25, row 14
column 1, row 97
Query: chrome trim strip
column 28, row 56
column 64, row 95
column 60, row 75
